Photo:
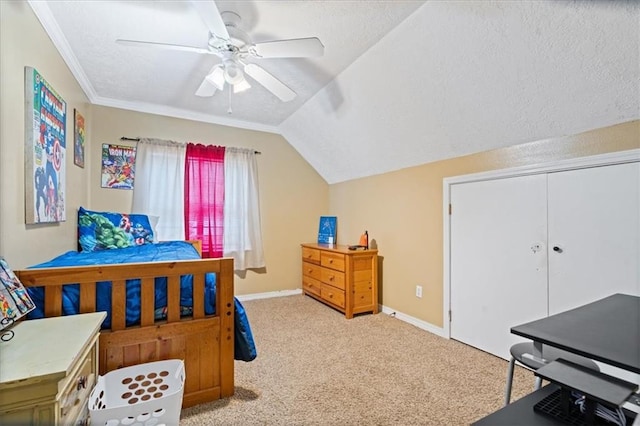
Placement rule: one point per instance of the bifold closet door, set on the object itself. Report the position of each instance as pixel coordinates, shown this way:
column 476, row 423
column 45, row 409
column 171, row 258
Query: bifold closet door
column 498, row 271
column 594, row 234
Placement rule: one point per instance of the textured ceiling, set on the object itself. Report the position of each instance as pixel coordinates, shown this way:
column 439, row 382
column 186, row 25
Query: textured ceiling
column 164, row 81
column 401, row 83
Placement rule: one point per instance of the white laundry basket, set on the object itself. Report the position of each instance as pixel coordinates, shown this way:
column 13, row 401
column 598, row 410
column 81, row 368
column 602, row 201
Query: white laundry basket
column 145, row 395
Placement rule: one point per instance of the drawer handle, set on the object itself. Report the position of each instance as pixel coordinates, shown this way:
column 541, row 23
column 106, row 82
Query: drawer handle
column 82, row 382
column 330, row 295
column 330, row 260
column 331, row 278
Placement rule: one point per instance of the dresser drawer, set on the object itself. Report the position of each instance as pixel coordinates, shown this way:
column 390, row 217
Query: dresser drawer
column 331, row 277
column 333, row 295
column 311, row 285
column 311, row 270
column 310, row 255
column 332, row 260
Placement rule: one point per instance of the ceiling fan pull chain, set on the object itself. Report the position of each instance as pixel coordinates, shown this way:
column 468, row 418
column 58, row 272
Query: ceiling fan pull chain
column 230, row 87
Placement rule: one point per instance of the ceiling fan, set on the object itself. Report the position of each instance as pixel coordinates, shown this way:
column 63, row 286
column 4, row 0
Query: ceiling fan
column 234, row 47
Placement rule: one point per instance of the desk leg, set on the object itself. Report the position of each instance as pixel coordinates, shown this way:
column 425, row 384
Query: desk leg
column 537, row 350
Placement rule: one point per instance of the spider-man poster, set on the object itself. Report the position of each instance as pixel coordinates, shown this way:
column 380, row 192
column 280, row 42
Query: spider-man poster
column 45, row 149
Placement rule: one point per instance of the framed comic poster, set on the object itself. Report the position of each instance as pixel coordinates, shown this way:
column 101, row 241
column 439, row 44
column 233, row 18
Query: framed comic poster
column 327, row 230
column 78, row 138
column 118, row 166
column 45, row 150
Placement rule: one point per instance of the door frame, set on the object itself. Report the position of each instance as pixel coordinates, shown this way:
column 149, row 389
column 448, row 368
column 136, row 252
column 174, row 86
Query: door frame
column 620, row 157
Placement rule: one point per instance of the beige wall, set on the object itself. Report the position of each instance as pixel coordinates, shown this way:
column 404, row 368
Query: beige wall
column 402, row 211
column 292, row 194
column 23, row 42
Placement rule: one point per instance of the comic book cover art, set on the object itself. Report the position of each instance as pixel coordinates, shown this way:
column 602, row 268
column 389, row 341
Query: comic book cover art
column 78, row 139
column 327, row 230
column 14, row 299
column 45, row 151
column 118, row 166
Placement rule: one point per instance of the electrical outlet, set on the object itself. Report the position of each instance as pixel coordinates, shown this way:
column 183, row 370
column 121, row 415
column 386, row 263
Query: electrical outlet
column 418, row 291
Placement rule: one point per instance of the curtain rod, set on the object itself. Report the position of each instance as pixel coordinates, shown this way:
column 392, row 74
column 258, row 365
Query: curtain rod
column 124, row 138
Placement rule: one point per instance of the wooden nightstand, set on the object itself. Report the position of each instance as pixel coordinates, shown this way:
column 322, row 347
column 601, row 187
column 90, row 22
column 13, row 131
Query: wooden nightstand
column 48, row 370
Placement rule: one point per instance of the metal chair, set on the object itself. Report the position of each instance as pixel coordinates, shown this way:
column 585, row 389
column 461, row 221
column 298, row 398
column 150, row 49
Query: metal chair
column 523, row 353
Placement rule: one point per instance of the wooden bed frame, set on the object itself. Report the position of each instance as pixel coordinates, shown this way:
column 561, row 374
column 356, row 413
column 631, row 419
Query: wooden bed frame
column 204, row 342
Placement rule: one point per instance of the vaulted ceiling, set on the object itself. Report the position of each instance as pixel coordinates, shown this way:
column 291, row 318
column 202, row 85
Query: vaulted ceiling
column 400, row 83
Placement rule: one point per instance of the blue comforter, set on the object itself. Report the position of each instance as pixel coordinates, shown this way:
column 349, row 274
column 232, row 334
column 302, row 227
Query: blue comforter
column 245, row 349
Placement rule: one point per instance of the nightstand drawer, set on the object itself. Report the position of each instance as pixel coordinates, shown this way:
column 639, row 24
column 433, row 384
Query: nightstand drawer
column 73, row 400
column 332, row 260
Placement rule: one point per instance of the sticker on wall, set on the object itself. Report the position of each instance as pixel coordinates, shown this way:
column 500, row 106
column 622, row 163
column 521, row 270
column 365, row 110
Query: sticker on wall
column 78, row 138
column 45, row 150
column 118, row 166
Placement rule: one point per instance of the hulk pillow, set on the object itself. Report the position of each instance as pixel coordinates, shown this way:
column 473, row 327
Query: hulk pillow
column 109, row 230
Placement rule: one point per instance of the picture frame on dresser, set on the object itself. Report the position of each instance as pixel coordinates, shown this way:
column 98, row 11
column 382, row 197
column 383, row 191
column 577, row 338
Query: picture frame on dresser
column 327, row 230
column 15, row 302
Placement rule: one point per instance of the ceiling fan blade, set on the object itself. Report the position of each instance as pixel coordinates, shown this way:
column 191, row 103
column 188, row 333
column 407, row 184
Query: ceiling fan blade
column 211, row 17
column 269, row 82
column 293, row 48
column 164, row 46
column 211, row 82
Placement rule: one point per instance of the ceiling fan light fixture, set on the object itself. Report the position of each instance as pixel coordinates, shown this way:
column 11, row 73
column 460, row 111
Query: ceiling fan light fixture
column 233, row 73
column 217, row 78
column 242, row 86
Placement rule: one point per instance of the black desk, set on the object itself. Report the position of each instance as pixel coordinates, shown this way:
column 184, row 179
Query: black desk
column 607, row 330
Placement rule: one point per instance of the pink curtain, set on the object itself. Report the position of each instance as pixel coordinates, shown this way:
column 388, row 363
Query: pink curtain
column 204, row 197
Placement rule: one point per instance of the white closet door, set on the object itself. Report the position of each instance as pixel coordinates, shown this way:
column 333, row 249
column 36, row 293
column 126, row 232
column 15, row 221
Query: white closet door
column 498, row 260
column 594, row 221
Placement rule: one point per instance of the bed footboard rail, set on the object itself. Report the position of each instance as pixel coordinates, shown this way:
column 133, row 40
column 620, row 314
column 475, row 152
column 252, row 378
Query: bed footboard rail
column 88, row 277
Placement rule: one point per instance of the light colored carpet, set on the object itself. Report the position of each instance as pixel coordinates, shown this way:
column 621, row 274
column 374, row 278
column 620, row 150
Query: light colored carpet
column 314, row 367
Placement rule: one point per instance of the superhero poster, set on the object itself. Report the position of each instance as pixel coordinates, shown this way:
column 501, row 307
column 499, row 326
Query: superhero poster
column 118, row 166
column 45, row 151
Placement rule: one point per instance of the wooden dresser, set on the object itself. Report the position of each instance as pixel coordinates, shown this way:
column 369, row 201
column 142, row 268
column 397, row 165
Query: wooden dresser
column 47, row 370
column 344, row 279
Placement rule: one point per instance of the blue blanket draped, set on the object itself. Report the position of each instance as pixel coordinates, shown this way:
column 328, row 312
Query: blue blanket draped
column 245, row 349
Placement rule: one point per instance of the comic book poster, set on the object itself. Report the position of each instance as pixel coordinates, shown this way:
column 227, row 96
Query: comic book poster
column 327, row 230
column 14, row 299
column 45, row 151
column 118, row 166
column 78, row 138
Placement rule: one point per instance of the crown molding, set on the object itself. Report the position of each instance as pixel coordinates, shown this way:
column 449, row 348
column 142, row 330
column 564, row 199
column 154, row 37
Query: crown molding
column 44, row 15
column 184, row 114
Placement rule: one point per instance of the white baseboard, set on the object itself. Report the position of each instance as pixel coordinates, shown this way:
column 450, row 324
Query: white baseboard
column 439, row 331
column 268, row 295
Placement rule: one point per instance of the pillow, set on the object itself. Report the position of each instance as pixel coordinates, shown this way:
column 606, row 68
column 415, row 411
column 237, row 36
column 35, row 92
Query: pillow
column 109, row 230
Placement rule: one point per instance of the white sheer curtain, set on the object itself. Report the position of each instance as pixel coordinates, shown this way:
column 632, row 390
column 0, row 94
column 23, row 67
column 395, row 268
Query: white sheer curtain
column 242, row 231
column 159, row 186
